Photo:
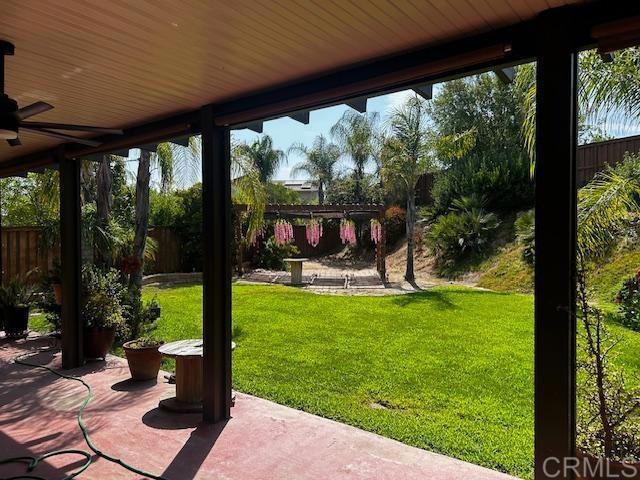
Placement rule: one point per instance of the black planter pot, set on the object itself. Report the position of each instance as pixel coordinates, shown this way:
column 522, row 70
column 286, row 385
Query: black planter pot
column 16, row 321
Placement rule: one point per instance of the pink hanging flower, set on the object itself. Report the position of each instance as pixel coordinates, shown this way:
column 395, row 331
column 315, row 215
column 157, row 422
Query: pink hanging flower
column 376, row 231
column 282, row 231
column 348, row 231
column 314, row 232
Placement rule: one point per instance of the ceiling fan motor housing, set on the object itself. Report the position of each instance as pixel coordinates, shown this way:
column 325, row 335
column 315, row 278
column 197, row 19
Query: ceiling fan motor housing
column 9, row 121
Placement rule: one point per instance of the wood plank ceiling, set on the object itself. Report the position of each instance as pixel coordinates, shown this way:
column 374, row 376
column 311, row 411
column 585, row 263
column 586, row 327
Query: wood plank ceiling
column 122, row 62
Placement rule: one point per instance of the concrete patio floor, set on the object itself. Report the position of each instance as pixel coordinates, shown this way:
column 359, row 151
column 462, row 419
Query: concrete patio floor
column 262, row 440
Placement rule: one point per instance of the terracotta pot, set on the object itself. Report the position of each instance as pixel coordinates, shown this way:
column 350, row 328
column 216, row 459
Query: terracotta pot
column 98, row 341
column 597, row 468
column 144, row 362
column 57, row 293
column 16, row 321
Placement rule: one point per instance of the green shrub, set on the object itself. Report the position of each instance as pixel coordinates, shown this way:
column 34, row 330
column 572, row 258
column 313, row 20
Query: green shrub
column 102, row 300
column 164, row 208
column 525, row 226
column 462, row 235
column 504, row 181
column 629, row 302
column 271, row 254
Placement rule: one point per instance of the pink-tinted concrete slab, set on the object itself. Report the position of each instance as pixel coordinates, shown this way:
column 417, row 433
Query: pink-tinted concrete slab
column 263, row 440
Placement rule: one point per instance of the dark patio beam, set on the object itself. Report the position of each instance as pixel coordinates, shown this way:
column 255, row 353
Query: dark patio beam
column 425, row 91
column 555, row 266
column 70, row 259
column 506, row 75
column 358, row 104
column 216, row 273
column 302, row 117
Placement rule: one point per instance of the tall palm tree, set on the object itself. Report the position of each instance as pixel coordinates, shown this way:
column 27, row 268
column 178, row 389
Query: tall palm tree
column 409, row 152
column 265, row 158
column 357, row 136
column 319, row 163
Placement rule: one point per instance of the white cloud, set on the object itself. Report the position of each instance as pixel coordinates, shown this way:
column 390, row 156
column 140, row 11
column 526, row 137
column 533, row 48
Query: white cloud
column 396, row 100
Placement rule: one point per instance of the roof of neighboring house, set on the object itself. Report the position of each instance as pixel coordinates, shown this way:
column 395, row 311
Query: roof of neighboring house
column 298, row 185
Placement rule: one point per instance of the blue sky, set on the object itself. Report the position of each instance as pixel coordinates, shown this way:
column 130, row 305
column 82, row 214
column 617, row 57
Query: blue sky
column 286, row 132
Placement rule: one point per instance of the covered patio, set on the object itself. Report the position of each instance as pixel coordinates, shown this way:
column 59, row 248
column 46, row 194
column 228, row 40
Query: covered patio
column 163, row 72
column 262, row 440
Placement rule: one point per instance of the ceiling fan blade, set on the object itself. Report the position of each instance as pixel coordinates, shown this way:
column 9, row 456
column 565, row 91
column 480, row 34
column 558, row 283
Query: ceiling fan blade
column 77, row 128
column 61, row 136
column 33, row 109
column 14, row 142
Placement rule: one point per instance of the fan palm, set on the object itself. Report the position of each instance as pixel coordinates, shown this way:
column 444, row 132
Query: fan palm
column 409, row 152
column 358, row 138
column 319, row 163
column 265, row 158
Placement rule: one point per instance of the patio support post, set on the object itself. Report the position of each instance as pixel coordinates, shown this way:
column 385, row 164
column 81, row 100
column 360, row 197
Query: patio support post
column 555, row 266
column 216, row 273
column 1, row 244
column 70, row 256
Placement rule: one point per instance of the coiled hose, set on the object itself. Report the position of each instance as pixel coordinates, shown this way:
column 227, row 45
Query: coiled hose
column 33, row 462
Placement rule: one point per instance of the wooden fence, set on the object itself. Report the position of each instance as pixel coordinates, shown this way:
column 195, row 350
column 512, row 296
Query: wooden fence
column 21, row 253
column 592, row 157
column 168, row 258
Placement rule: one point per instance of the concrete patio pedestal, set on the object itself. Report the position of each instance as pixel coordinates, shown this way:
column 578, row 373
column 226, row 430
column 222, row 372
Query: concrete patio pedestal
column 296, row 269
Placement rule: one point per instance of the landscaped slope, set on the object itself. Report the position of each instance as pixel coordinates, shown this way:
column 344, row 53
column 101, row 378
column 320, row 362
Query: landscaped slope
column 507, row 272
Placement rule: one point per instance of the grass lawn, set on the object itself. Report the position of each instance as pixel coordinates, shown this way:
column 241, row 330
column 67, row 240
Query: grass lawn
column 449, row 370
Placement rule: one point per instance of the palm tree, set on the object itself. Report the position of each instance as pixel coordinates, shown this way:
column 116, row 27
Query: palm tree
column 247, row 187
column 608, row 92
column 266, row 158
column 357, row 136
column 409, row 152
column 319, row 163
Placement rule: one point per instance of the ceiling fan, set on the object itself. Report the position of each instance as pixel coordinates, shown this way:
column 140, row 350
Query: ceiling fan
column 14, row 119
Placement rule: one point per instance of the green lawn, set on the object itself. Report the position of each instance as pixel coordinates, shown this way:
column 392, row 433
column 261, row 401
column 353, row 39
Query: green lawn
column 449, row 370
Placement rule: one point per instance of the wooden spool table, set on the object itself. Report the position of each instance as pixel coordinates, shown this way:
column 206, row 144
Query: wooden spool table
column 296, row 269
column 188, row 357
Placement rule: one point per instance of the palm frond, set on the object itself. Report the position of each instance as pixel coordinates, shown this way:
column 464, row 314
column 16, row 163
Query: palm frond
column 603, row 210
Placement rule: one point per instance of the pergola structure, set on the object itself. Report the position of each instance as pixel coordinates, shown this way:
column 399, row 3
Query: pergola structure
column 180, row 68
column 336, row 211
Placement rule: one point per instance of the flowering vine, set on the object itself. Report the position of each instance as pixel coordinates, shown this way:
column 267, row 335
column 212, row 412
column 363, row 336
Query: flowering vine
column 314, row 232
column 348, row 231
column 283, row 231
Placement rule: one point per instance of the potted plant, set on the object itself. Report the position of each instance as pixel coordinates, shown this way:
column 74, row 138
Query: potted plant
column 143, row 358
column 102, row 310
column 142, row 352
column 15, row 300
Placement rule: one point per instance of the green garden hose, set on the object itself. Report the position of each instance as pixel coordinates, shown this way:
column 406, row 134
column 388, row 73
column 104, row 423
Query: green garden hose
column 33, row 462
